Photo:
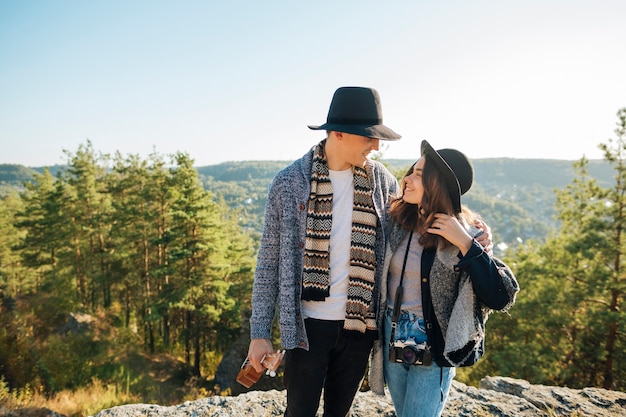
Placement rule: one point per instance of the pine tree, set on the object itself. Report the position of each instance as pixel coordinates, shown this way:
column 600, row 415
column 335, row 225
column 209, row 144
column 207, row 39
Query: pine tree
column 88, row 206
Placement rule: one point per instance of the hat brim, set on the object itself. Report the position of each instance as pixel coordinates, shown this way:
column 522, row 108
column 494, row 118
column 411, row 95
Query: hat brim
column 381, row 132
column 452, row 182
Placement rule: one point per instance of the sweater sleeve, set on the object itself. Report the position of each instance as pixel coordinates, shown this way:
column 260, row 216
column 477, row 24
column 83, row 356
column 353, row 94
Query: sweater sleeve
column 265, row 287
column 493, row 281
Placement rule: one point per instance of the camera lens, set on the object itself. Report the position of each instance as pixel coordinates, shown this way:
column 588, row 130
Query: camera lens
column 409, row 355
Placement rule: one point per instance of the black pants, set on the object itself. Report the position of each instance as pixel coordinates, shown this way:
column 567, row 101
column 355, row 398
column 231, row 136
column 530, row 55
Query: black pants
column 336, row 361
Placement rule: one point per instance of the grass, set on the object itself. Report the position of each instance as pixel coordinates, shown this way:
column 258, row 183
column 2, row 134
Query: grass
column 82, row 402
column 155, row 379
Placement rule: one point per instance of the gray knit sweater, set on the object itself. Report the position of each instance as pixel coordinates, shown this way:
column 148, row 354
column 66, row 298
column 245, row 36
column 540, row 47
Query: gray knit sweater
column 278, row 274
column 454, row 298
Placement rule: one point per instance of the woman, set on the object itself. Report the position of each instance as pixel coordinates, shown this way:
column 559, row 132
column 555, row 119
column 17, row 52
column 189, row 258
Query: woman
column 441, row 286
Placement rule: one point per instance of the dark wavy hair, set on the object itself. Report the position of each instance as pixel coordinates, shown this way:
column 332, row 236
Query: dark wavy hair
column 435, row 199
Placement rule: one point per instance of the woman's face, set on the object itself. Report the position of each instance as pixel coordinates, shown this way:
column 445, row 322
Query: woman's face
column 414, row 188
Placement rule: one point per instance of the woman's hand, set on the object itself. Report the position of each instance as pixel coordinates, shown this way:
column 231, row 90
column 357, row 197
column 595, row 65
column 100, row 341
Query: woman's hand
column 452, row 230
column 484, row 239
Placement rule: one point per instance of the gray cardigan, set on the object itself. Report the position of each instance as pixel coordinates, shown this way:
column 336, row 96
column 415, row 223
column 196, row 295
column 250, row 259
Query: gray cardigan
column 278, row 274
column 458, row 285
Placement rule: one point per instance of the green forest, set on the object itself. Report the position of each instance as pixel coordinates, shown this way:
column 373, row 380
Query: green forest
column 128, row 279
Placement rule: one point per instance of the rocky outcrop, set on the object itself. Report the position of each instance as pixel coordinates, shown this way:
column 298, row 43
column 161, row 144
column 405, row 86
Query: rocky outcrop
column 497, row 396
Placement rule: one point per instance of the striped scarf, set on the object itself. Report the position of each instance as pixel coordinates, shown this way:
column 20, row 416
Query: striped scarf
column 316, row 272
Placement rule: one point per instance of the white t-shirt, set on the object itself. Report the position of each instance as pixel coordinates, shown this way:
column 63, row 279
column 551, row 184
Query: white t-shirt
column 334, row 307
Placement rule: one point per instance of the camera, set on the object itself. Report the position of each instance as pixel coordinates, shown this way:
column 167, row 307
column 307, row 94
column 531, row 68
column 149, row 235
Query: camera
column 410, row 353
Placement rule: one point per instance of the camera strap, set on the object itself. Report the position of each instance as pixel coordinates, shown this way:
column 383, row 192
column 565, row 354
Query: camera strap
column 399, row 292
column 428, row 256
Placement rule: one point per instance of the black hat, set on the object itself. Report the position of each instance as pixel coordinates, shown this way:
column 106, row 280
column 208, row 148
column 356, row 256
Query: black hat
column 357, row 110
column 456, row 168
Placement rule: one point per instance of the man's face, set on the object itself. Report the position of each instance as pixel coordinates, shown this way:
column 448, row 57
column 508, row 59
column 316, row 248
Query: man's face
column 358, row 148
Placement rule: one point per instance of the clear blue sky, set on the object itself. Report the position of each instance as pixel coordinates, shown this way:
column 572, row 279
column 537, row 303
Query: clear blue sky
column 235, row 80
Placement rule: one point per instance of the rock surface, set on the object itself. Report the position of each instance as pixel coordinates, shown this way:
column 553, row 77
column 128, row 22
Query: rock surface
column 497, row 396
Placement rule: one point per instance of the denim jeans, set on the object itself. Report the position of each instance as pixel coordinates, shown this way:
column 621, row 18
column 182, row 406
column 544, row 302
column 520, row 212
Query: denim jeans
column 416, row 390
column 336, row 361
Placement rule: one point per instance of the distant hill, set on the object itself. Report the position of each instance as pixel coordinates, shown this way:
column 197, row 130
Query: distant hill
column 15, row 174
column 244, row 170
column 547, row 172
column 515, row 196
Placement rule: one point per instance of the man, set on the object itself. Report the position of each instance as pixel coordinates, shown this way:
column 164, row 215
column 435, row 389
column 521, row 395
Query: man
column 319, row 258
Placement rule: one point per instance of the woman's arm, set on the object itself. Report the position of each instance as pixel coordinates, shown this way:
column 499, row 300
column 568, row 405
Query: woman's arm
column 493, row 282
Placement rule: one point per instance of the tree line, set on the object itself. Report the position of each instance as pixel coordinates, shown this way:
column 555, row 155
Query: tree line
column 163, row 264
column 568, row 325
column 138, row 243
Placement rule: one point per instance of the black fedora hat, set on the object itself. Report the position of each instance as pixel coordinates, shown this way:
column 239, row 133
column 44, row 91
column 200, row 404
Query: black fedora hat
column 456, row 168
column 357, row 110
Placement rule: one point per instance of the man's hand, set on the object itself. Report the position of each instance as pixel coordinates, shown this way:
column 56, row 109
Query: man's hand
column 257, row 350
